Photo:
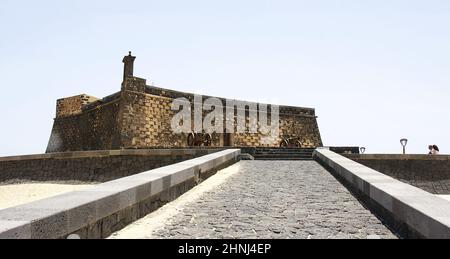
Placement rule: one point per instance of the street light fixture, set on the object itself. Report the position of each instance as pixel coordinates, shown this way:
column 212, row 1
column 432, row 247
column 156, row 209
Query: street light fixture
column 363, row 150
column 404, row 142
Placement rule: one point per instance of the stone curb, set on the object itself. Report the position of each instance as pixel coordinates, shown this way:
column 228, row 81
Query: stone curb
column 62, row 215
column 423, row 214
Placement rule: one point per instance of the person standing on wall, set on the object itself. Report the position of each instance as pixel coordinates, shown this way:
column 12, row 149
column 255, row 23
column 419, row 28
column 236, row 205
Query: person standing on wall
column 435, row 150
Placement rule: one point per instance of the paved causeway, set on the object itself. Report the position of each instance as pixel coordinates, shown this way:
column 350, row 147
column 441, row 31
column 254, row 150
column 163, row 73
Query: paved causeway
column 259, row 199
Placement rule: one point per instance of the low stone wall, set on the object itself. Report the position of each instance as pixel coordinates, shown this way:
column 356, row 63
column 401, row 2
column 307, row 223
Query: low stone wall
column 91, row 166
column 410, row 211
column 99, row 211
column 430, row 173
column 345, row 150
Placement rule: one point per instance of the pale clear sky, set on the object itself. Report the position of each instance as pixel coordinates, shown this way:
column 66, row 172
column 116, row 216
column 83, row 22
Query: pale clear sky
column 375, row 70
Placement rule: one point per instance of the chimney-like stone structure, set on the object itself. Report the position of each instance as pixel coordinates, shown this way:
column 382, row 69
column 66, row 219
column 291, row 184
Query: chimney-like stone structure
column 128, row 68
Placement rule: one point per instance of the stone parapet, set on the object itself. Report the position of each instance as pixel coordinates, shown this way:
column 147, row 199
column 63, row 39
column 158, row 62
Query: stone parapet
column 99, row 211
column 73, row 105
column 412, row 212
column 91, row 166
column 430, row 173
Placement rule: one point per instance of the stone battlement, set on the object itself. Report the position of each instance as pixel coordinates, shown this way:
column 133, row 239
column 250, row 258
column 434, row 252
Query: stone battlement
column 73, row 105
column 171, row 94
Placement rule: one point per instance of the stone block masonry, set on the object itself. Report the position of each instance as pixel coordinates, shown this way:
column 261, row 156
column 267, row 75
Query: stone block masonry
column 90, row 166
column 73, row 105
column 89, row 129
column 139, row 117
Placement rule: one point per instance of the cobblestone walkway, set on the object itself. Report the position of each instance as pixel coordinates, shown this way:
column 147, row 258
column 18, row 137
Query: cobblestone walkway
column 281, row 199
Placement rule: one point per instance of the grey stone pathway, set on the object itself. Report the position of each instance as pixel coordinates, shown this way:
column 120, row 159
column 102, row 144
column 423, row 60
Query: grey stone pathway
column 276, row 199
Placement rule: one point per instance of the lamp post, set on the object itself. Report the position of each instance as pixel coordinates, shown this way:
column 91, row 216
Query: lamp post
column 404, row 142
column 362, row 150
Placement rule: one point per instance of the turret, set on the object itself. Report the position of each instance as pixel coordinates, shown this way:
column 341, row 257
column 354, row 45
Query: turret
column 128, row 68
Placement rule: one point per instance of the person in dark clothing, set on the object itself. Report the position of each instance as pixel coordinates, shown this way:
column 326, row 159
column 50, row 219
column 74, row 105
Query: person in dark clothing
column 430, row 147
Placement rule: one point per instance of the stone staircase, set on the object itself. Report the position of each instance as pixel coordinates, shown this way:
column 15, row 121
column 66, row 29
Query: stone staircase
column 280, row 153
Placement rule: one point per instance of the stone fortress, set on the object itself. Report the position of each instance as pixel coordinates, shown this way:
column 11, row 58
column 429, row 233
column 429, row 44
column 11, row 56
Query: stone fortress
column 139, row 117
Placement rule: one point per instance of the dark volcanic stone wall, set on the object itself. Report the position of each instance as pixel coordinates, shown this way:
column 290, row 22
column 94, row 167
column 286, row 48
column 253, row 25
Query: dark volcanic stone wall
column 430, row 173
column 92, row 166
column 94, row 129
